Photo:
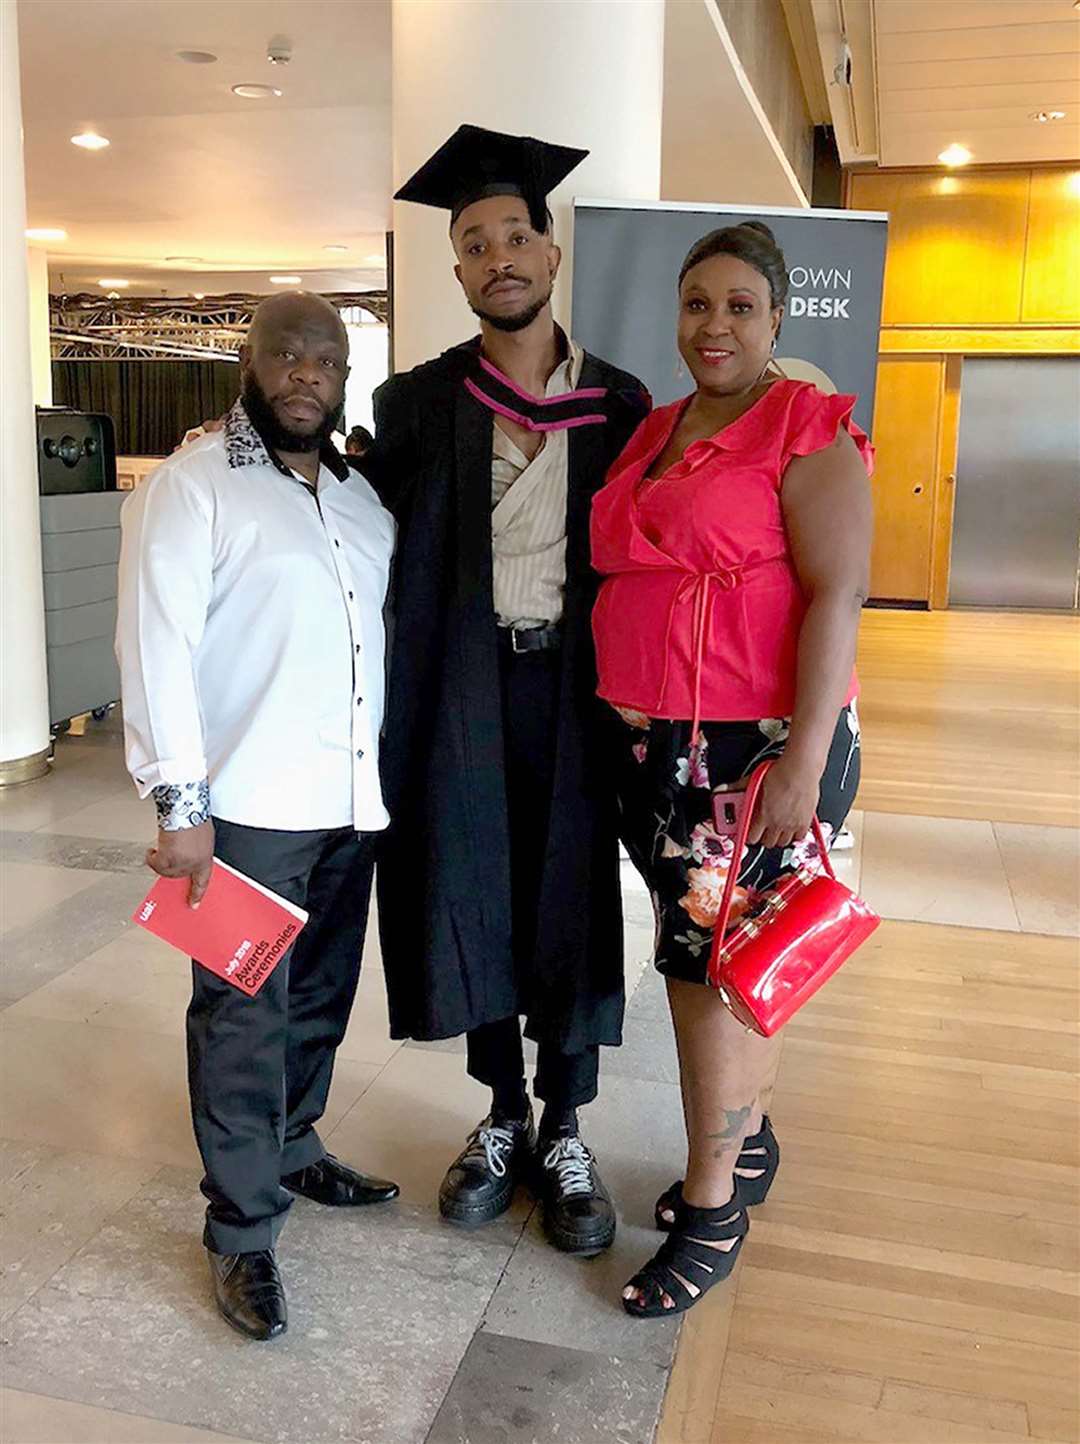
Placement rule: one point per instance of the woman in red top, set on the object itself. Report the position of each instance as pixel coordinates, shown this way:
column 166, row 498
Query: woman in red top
column 733, row 535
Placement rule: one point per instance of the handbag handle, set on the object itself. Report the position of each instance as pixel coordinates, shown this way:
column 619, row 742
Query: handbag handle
column 753, row 790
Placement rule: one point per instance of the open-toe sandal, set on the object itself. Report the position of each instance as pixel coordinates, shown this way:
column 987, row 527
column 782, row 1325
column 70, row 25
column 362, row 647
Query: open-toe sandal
column 758, row 1160
column 689, row 1261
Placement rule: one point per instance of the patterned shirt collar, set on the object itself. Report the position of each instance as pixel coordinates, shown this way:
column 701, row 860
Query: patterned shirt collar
column 245, row 447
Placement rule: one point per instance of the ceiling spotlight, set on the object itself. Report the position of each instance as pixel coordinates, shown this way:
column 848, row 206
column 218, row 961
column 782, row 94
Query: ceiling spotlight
column 46, row 233
column 279, row 50
column 199, row 295
column 189, row 260
column 1042, row 116
column 955, row 155
column 196, row 57
column 89, row 140
column 335, row 248
column 286, row 280
column 255, row 92
column 114, row 282
column 378, row 259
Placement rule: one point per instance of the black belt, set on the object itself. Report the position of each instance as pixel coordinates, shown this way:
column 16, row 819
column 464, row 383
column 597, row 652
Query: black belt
column 531, row 639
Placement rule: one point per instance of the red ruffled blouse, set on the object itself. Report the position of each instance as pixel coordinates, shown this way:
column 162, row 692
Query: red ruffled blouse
column 700, row 608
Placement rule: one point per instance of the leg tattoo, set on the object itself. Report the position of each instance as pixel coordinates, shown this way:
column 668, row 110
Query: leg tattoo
column 730, row 1135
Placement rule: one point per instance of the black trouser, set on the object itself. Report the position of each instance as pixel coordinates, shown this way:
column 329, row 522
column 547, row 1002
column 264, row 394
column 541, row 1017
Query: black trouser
column 259, row 1068
column 530, row 701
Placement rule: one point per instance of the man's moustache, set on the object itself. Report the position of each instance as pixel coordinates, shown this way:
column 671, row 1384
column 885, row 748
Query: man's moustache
column 502, row 280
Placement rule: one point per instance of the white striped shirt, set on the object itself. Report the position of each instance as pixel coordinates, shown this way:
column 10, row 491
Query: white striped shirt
column 528, row 517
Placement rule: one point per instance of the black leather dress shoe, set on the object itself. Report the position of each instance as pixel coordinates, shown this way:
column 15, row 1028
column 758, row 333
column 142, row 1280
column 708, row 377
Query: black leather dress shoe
column 337, row 1185
column 579, row 1215
column 249, row 1292
column 480, row 1183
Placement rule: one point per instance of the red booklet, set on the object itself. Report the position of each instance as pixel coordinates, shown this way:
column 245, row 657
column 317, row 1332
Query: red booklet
column 240, row 931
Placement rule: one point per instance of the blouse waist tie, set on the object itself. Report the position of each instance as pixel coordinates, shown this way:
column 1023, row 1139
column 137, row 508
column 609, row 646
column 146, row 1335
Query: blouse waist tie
column 698, row 587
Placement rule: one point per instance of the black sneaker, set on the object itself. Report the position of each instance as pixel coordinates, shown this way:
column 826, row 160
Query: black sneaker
column 578, row 1212
column 480, row 1183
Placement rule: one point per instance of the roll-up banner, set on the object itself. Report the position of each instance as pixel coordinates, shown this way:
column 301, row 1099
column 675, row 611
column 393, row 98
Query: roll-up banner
column 627, row 256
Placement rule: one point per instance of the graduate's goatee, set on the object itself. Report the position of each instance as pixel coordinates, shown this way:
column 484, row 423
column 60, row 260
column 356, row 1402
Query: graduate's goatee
column 513, row 323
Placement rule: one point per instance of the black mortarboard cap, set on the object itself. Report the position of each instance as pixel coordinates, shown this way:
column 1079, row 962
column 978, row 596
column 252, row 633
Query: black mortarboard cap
column 475, row 163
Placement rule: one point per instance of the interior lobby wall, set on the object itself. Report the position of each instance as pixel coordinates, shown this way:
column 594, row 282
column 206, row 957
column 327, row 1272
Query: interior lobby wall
column 979, row 263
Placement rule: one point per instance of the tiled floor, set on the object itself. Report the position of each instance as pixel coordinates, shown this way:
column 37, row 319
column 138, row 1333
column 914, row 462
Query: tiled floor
column 405, row 1331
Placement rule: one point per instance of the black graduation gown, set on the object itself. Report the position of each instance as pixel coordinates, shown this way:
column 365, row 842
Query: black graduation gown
column 443, row 871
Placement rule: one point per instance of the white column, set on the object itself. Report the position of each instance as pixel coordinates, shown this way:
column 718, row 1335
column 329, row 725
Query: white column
column 37, row 261
column 24, row 707
column 586, row 73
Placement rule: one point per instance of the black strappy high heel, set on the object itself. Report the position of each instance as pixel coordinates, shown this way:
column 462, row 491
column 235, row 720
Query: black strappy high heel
column 686, row 1266
column 759, row 1156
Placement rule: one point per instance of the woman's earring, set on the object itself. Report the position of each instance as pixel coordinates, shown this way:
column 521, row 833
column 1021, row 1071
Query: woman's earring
column 680, row 369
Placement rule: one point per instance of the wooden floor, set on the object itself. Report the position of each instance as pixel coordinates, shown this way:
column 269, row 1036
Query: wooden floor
column 912, row 1277
column 971, row 714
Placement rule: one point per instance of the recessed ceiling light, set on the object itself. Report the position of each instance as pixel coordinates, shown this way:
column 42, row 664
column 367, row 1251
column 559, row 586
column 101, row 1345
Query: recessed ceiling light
column 378, row 259
column 89, row 140
column 190, row 260
column 335, row 248
column 255, row 92
column 196, row 57
column 116, row 282
column 1042, row 116
column 285, row 280
column 46, row 233
column 954, row 155
column 199, row 295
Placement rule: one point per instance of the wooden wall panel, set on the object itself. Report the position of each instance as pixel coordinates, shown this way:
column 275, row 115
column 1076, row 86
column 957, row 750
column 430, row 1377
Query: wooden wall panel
column 945, row 483
column 907, row 412
column 982, row 340
column 1052, row 258
column 956, row 244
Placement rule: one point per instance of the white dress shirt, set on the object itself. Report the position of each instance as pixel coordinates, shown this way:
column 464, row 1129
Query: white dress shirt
column 250, row 635
column 528, row 518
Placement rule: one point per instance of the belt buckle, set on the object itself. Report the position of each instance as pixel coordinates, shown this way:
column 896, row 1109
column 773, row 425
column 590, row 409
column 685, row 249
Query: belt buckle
column 515, row 632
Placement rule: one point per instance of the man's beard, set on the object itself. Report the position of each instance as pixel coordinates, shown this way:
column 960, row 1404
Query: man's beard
column 513, row 323
column 276, row 435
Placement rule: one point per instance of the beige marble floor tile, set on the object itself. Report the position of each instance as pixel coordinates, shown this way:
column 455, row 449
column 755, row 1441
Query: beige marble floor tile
column 115, row 1090
column 1042, row 865
column 50, row 799
column 135, row 981
column 848, row 863
column 935, row 870
column 35, row 1419
column 28, row 890
column 52, row 1202
column 114, row 818
column 412, row 1121
column 367, row 1039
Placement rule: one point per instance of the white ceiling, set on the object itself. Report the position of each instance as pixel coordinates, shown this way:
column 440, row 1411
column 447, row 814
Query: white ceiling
column 251, row 186
column 738, row 160
column 973, row 72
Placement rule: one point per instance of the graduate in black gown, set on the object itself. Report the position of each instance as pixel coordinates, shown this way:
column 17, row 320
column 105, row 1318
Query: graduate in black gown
column 499, row 877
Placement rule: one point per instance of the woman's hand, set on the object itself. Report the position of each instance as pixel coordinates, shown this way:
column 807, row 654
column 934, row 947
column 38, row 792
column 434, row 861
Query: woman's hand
column 786, row 805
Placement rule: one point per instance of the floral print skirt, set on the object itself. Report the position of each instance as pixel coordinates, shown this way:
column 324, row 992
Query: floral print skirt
column 666, row 791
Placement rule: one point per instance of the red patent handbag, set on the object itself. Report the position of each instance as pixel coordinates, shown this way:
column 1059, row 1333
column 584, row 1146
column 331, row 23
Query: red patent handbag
column 790, row 942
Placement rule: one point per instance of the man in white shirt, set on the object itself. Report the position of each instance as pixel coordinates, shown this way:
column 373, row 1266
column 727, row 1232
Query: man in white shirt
column 253, row 573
